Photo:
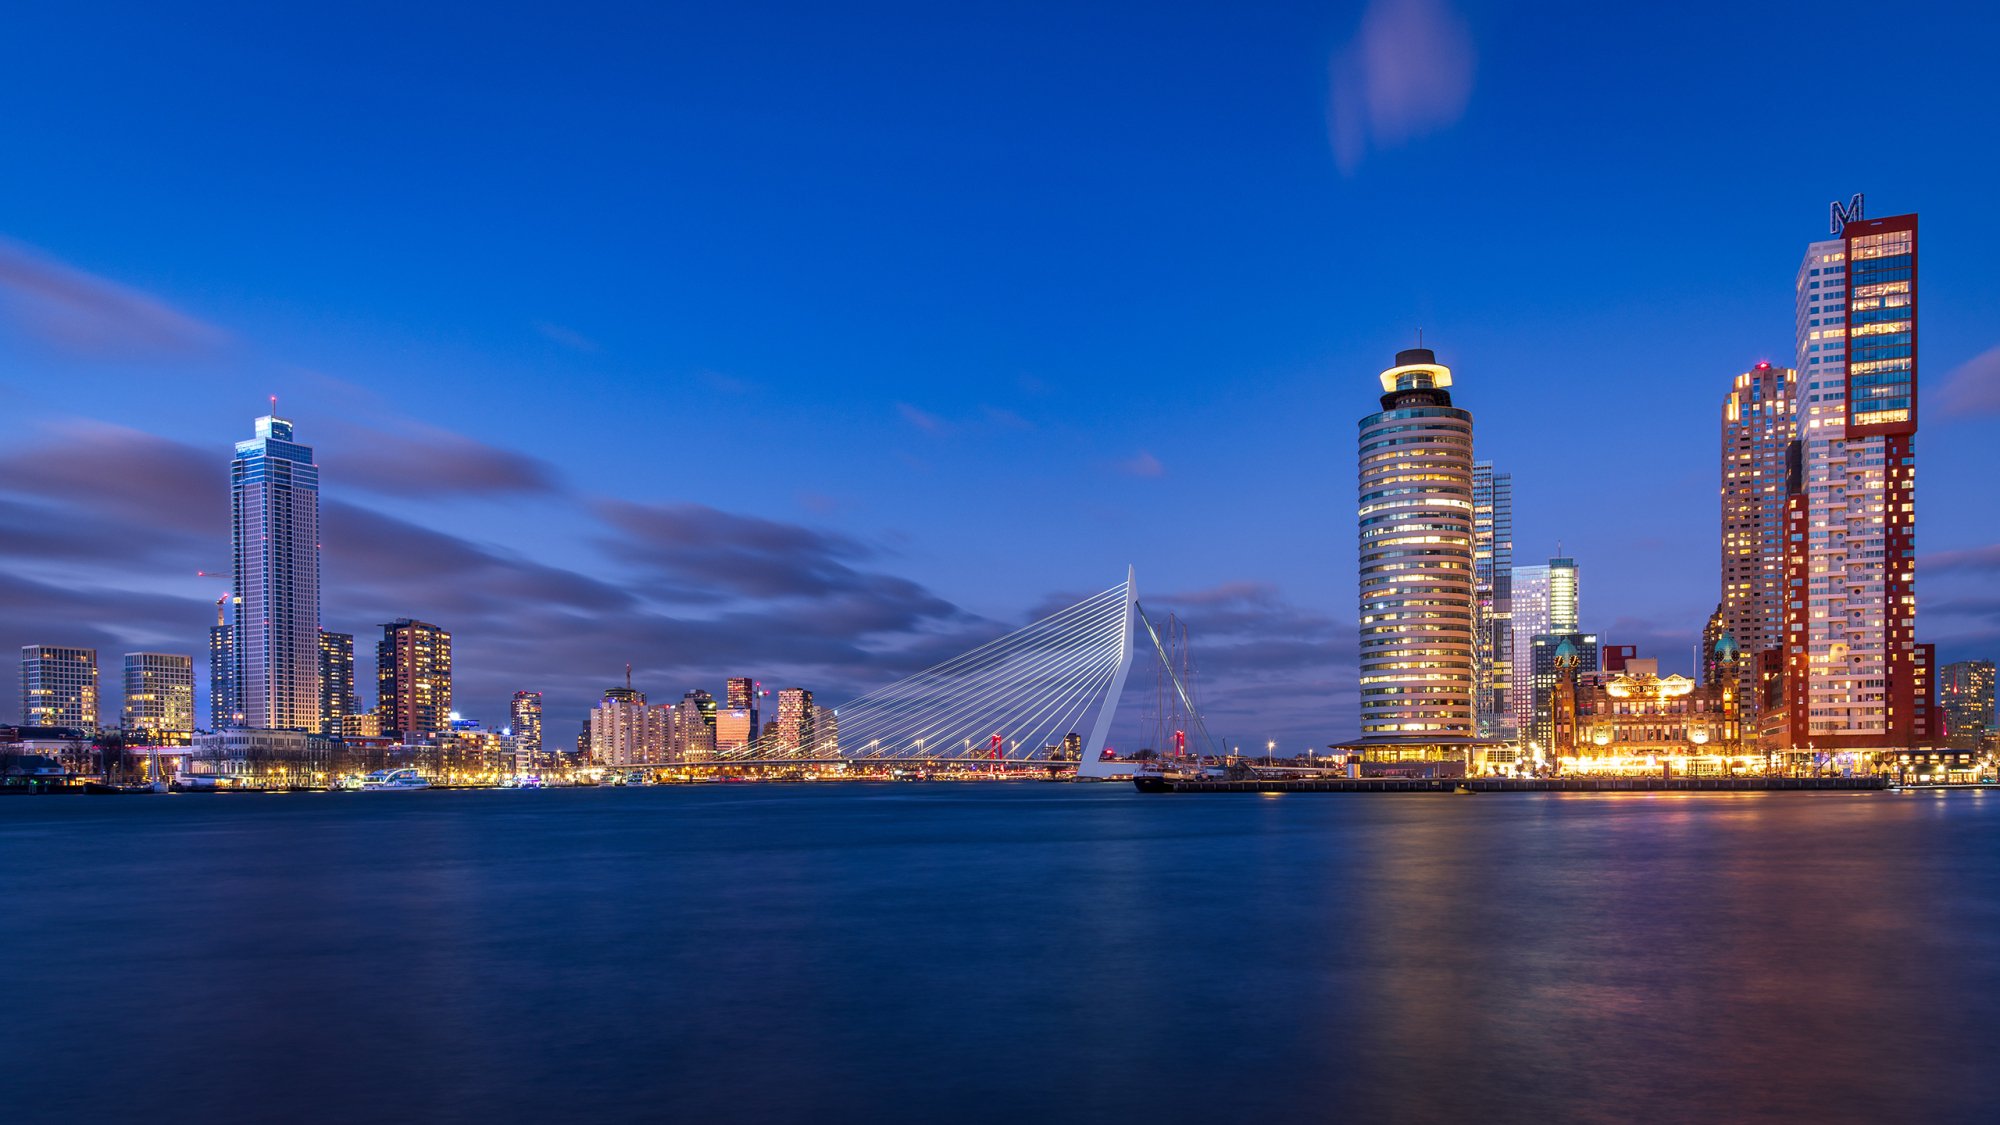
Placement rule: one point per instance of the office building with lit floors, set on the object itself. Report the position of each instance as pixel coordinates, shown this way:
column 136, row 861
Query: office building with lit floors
column 1858, row 689
column 59, row 687
column 274, row 498
column 1965, row 700
column 1759, row 426
column 413, row 679
column 1418, row 608
column 159, row 698
column 1493, row 593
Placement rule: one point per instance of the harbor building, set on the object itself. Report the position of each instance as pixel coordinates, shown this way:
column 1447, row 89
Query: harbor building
column 1493, row 586
column 1759, row 429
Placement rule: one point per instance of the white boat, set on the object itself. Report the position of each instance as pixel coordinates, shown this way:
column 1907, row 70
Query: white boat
column 393, row 781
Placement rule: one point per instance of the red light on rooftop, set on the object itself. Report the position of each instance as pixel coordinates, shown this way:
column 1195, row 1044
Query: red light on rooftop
column 1764, row 366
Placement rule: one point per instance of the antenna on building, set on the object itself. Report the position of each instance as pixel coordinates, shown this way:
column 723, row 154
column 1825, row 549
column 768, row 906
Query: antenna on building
column 274, row 406
column 1420, row 335
column 628, row 675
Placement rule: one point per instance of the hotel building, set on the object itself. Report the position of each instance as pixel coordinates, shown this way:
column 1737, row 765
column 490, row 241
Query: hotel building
column 59, row 687
column 159, row 698
column 1416, row 561
column 274, row 500
column 1853, row 671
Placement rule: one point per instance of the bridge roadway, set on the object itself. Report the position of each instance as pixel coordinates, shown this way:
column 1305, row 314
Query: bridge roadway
column 852, row 763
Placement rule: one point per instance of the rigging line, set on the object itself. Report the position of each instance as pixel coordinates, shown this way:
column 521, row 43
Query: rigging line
column 917, row 689
column 1084, row 606
column 1024, row 724
column 954, row 706
column 1193, row 715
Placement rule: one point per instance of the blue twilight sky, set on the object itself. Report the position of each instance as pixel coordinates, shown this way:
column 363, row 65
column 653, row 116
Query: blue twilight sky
column 804, row 341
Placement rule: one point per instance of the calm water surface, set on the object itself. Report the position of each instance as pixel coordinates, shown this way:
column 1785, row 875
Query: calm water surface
column 1000, row 953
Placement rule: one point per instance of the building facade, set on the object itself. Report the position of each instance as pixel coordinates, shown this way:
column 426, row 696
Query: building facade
column 1549, row 655
column 1418, row 606
column 336, row 682
column 1852, row 668
column 159, row 698
column 524, row 721
column 1759, row 427
column 225, row 711
column 1965, row 697
column 274, row 501
column 1546, row 601
column 59, row 687
column 1493, row 586
column 793, row 728
column 413, row 679
column 624, row 731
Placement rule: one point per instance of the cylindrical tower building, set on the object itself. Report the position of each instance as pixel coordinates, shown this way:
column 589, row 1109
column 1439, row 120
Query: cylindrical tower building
column 1416, row 559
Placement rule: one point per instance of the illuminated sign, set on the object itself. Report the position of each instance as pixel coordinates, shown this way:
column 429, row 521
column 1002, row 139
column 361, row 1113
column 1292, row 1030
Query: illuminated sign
column 1838, row 215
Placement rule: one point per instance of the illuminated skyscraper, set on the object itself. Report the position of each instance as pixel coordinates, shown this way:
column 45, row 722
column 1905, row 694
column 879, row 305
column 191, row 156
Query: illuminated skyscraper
column 1493, row 587
column 524, row 717
column 1416, row 532
column 336, row 682
column 274, row 499
column 1852, row 667
column 159, row 698
column 413, row 679
column 1759, row 425
column 59, row 687
column 1545, row 601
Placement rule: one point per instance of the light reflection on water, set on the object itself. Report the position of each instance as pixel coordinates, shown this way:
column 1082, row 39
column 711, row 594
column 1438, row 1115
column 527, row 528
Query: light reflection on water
column 993, row 953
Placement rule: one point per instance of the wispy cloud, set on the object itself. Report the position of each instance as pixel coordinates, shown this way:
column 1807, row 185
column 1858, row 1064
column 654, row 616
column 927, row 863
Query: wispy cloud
column 922, row 419
column 568, row 337
column 87, row 315
column 1142, row 464
column 1408, row 71
column 1974, row 388
column 1006, row 419
column 404, row 457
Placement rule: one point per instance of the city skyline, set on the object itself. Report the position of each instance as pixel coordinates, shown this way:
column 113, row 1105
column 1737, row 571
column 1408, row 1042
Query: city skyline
column 802, row 509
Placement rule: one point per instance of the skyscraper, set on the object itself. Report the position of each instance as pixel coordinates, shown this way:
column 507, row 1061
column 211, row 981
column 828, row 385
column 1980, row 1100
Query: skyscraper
column 274, row 500
column 624, row 731
column 1851, row 662
column 1416, row 560
column 794, row 725
column 336, row 682
column 59, row 687
column 159, row 697
column 413, row 679
column 1759, row 425
column 1545, row 603
column 524, row 716
column 1965, row 694
column 224, row 709
column 1493, row 586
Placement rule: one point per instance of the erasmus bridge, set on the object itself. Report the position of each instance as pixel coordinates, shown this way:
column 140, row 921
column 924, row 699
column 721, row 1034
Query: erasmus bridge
column 1042, row 695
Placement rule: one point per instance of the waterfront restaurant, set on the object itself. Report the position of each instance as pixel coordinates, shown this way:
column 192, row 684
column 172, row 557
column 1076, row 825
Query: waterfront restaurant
column 1636, row 722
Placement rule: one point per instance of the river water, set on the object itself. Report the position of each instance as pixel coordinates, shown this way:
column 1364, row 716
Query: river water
column 1018, row 952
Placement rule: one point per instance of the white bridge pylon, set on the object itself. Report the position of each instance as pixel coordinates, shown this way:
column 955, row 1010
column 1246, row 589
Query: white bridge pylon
column 1013, row 699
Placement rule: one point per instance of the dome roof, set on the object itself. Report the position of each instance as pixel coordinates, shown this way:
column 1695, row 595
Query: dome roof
column 1727, row 648
column 1566, row 650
